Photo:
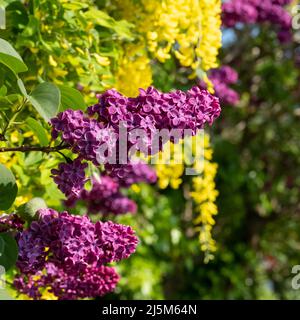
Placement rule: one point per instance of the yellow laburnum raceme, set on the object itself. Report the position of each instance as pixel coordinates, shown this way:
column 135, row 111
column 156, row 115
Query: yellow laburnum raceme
column 204, row 195
column 134, row 71
column 191, row 29
column 211, row 37
column 171, row 166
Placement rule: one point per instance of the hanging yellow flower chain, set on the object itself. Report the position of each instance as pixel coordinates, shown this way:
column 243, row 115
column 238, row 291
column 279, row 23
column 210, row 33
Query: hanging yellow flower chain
column 203, row 193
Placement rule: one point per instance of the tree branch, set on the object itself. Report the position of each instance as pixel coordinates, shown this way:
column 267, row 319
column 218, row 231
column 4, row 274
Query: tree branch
column 33, row 148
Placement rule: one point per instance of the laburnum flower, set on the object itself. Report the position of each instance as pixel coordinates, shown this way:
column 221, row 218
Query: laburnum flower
column 59, row 248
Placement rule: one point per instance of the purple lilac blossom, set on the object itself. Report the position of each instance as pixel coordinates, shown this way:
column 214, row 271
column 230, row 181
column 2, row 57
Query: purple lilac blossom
column 131, row 173
column 11, row 222
column 70, row 177
column 82, row 134
column 256, row 11
column 59, row 249
column 93, row 282
column 221, row 78
column 72, row 242
column 105, row 197
column 150, row 111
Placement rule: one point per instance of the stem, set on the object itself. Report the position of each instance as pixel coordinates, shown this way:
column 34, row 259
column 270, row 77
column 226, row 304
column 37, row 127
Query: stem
column 68, row 160
column 11, row 120
column 33, row 148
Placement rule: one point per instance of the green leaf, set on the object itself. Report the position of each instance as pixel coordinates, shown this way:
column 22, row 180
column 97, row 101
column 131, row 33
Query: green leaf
column 8, row 251
column 10, row 57
column 11, row 98
column 39, row 131
column 8, row 188
column 46, row 100
column 101, row 18
column 32, row 28
column 122, row 28
column 33, row 158
column 71, row 99
column 16, row 15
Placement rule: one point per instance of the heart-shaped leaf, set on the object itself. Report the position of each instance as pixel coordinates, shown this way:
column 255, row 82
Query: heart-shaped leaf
column 46, row 100
column 10, row 57
column 71, row 99
column 8, row 188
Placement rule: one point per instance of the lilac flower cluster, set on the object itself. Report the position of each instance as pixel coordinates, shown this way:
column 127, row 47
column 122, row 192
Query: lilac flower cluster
column 221, row 78
column 105, row 197
column 93, row 282
column 70, row 177
column 150, row 111
column 252, row 11
column 83, row 134
column 10, row 222
column 128, row 174
column 62, row 248
column 225, row 74
column 153, row 110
